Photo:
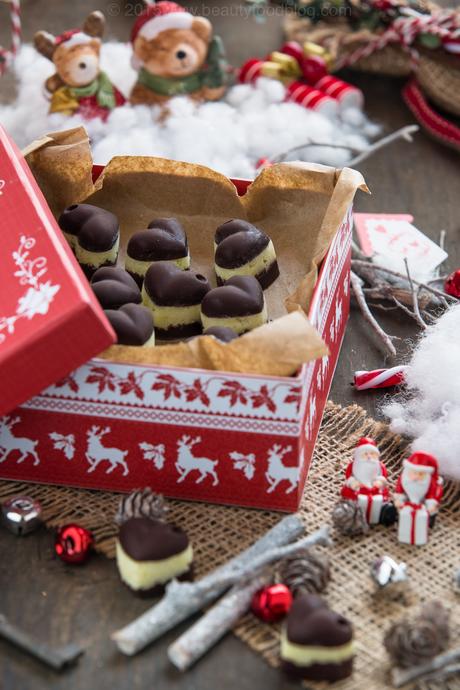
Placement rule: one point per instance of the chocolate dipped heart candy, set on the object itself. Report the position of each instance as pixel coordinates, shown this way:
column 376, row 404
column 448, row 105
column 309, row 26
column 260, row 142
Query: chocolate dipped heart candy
column 133, row 324
column 238, row 305
column 150, row 553
column 93, row 233
column 241, row 249
column 164, row 240
column 316, row 643
column 114, row 287
column 174, row 297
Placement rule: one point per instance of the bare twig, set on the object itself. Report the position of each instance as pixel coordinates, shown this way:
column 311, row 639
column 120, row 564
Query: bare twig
column 384, row 339
column 403, row 133
column 414, row 291
column 357, row 252
column 402, row 676
column 442, row 239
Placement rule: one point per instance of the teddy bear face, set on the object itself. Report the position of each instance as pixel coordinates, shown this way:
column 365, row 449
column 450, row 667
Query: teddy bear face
column 174, row 52
column 77, row 65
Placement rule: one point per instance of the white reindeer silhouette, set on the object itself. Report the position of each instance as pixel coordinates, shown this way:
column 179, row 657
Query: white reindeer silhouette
column 96, row 452
column 9, row 442
column 338, row 313
column 277, row 472
column 186, row 461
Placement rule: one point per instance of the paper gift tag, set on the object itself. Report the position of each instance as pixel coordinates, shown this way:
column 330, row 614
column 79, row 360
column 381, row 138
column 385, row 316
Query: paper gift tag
column 390, row 238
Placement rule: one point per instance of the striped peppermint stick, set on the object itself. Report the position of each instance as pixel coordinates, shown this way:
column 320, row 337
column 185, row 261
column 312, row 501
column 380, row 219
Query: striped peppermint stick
column 7, row 56
column 379, row 378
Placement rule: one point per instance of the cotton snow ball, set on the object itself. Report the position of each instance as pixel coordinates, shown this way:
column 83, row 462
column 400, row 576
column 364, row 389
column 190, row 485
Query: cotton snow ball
column 429, row 409
column 251, row 122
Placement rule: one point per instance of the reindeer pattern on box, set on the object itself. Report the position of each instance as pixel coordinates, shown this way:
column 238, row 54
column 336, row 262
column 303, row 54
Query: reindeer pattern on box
column 96, row 452
column 278, row 471
column 79, row 85
column 9, row 442
column 187, row 462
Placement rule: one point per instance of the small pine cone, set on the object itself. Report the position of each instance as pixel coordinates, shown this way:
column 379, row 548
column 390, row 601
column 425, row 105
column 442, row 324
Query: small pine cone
column 349, row 519
column 412, row 642
column 141, row 503
column 307, row 571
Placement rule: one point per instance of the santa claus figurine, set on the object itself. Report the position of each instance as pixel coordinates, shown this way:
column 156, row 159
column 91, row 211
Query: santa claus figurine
column 366, row 480
column 418, row 493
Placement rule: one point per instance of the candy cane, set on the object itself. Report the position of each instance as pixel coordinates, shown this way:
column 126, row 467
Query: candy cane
column 7, row 56
column 380, row 378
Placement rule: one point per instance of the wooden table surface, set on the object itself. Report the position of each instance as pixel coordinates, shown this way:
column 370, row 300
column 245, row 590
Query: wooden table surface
column 60, row 604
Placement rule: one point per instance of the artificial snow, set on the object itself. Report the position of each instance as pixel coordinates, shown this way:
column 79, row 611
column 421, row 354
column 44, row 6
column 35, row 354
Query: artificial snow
column 429, row 410
column 229, row 136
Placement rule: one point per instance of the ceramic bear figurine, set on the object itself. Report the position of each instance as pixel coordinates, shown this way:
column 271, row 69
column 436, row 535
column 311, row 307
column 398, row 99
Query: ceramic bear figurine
column 79, row 85
column 175, row 54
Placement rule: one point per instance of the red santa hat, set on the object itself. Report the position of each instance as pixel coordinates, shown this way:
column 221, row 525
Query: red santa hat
column 160, row 17
column 422, row 462
column 74, row 37
column 364, row 445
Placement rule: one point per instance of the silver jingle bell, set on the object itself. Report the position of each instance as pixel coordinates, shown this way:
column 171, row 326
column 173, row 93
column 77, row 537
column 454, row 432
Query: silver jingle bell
column 21, row 514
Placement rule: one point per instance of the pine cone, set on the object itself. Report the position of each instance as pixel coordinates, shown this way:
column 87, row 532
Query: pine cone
column 348, row 518
column 308, row 571
column 411, row 642
column 141, row 503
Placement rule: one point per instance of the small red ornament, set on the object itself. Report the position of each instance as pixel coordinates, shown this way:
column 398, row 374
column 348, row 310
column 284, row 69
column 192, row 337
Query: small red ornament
column 73, row 543
column 452, row 284
column 263, row 163
column 313, row 69
column 271, row 603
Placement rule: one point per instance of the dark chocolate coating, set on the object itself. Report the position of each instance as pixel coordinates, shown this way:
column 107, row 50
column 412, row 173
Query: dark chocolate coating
column 169, row 286
column 114, row 287
column 311, row 623
column 187, row 330
column 238, row 242
column 159, row 590
column 99, row 232
column 221, row 333
column 164, row 240
column 144, row 539
column 265, row 278
column 320, row 672
column 240, row 296
column 74, row 216
column 133, row 323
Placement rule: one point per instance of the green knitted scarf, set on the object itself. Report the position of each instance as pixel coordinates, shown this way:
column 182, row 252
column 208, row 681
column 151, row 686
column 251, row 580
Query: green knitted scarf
column 101, row 87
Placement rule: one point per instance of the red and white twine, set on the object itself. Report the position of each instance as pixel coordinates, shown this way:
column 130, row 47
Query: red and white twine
column 8, row 55
column 444, row 23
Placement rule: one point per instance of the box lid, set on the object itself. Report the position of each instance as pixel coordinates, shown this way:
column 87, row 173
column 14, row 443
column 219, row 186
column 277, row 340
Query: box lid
column 50, row 321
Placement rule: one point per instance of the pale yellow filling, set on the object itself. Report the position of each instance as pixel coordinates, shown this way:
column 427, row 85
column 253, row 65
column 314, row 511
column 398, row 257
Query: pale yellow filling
column 303, row 655
column 71, row 239
column 140, row 268
column 151, row 341
column 147, row 574
column 258, row 264
column 239, row 324
column 97, row 259
column 167, row 317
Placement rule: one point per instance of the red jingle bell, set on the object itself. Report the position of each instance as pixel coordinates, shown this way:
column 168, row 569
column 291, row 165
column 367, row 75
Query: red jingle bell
column 73, row 543
column 271, row 603
column 452, row 284
column 313, row 68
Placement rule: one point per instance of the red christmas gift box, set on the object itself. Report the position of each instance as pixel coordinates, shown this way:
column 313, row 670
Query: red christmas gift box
column 215, row 436
column 50, row 321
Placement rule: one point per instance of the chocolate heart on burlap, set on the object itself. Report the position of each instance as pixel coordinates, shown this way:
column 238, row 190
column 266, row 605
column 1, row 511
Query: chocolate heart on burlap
column 114, row 287
column 167, row 285
column 132, row 323
column 238, row 242
column 144, row 539
column 240, row 296
column 97, row 230
column 164, row 240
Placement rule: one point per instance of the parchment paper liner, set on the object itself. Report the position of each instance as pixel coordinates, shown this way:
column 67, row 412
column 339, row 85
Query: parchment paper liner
column 299, row 205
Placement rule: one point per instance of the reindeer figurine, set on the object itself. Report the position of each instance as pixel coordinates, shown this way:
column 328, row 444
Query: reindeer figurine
column 96, row 452
column 277, row 472
column 186, row 461
column 79, row 85
column 9, row 442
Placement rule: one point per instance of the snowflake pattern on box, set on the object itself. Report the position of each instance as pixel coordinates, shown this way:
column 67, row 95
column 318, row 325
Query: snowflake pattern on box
column 38, row 296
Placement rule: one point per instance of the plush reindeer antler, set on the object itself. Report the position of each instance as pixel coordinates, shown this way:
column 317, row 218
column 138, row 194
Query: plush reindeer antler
column 94, row 24
column 45, row 43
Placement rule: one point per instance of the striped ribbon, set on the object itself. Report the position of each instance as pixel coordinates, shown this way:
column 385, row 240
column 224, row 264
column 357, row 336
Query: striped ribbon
column 8, row 55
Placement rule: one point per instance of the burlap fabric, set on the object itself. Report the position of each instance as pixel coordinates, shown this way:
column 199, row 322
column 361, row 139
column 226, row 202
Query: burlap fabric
column 220, row 532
